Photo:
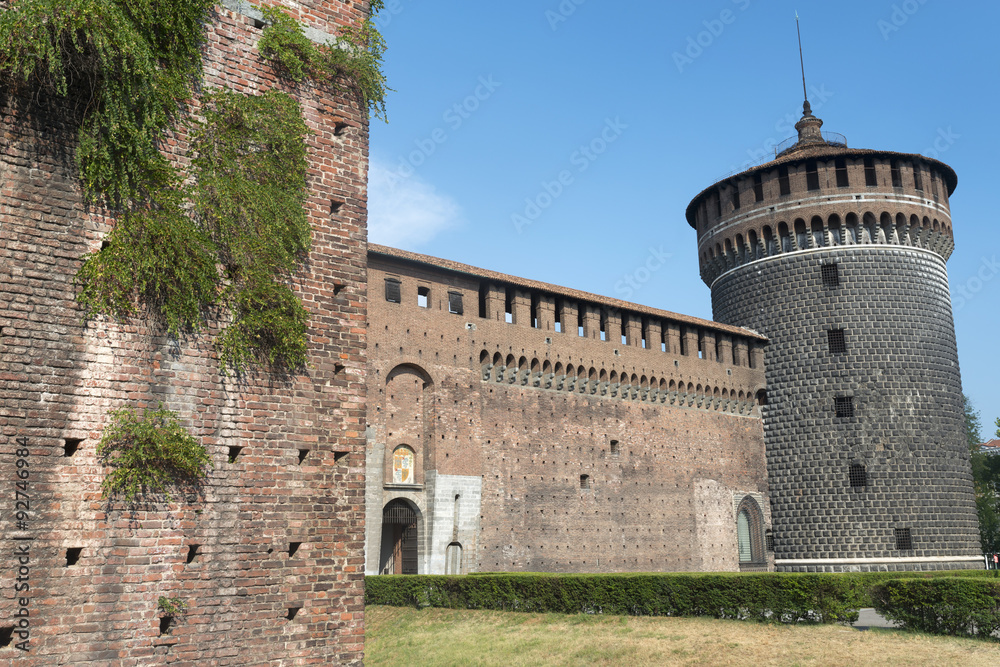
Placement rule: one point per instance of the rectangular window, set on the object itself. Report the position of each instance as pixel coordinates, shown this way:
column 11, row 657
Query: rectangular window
column 841, row 165
column 904, row 540
column 897, row 178
column 392, row 290
column 844, row 406
column 858, row 476
column 424, row 297
column 718, row 204
column 918, row 182
column 835, row 337
column 783, row 184
column 758, row 188
column 455, row 302
column 870, row 179
column 812, row 175
column 831, row 275
column 934, row 185
column 736, row 197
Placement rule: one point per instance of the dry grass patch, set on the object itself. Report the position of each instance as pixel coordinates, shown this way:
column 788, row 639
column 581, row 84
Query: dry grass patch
column 405, row 636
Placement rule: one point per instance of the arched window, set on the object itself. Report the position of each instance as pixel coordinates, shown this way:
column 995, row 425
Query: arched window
column 750, row 536
column 403, row 466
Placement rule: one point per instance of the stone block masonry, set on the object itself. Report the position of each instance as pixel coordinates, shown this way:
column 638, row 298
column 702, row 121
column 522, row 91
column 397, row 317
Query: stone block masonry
column 270, row 559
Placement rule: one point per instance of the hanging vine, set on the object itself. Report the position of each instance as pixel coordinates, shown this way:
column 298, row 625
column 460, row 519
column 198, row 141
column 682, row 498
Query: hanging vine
column 221, row 245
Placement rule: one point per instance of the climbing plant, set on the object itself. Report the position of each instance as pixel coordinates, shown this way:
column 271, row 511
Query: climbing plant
column 224, row 240
column 149, row 454
column 130, row 73
column 355, row 59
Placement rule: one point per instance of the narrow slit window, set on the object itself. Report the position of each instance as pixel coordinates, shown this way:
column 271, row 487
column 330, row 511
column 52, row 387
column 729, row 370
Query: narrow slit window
column 844, row 406
column 841, row 167
column 392, row 290
column 424, row 297
column 455, row 303
column 838, row 344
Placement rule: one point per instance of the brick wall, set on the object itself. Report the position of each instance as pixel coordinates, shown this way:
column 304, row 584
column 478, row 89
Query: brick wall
column 518, row 444
column 60, row 377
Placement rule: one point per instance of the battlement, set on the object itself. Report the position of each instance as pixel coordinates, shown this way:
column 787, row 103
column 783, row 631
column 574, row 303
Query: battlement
column 822, row 196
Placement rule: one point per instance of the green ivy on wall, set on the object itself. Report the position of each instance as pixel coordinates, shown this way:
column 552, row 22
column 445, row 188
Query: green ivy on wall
column 355, row 59
column 221, row 245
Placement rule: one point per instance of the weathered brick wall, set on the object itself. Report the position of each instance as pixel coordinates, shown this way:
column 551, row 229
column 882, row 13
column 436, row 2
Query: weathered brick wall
column 290, row 483
column 666, row 500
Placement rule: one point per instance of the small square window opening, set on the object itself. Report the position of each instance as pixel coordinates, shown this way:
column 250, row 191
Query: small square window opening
column 844, row 406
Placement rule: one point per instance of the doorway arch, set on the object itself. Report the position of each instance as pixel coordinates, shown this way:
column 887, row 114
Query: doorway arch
column 399, row 553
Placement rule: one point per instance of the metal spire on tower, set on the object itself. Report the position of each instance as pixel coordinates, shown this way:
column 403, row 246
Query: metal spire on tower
column 806, row 109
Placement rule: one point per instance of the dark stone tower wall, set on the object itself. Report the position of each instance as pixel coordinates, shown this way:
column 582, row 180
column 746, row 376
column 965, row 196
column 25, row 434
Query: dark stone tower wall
column 838, row 256
column 901, row 371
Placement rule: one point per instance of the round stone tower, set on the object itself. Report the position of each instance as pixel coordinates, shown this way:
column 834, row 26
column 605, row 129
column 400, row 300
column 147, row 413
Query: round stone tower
column 838, row 256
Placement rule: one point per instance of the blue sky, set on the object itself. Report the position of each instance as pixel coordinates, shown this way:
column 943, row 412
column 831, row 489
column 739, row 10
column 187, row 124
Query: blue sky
column 496, row 102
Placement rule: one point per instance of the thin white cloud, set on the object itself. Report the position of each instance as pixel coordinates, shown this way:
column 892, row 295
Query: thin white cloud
column 406, row 211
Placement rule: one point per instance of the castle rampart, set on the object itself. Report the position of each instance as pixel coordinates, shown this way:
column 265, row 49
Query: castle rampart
column 586, row 433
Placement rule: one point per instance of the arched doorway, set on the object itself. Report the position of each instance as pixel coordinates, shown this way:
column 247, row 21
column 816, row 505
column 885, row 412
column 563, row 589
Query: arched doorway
column 399, row 538
column 750, row 536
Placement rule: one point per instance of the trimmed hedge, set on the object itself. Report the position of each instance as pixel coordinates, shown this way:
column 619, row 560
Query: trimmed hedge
column 764, row 597
column 773, row 597
column 947, row 606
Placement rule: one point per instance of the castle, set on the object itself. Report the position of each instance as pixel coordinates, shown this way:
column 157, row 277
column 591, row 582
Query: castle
column 453, row 419
column 815, row 426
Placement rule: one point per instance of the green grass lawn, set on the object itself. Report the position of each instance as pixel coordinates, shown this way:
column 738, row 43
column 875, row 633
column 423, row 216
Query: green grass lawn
column 401, row 637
